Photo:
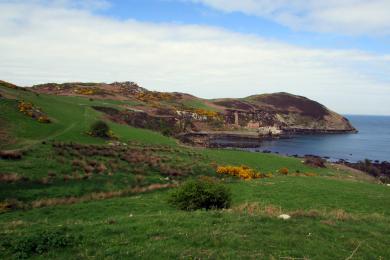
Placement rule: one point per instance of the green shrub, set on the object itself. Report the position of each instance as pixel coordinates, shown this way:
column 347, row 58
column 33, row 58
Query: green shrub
column 201, row 194
column 39, row 243
column 100, row 129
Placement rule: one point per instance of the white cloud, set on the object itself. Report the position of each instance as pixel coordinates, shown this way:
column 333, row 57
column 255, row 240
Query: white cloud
column 340, row 16
column 41, row 43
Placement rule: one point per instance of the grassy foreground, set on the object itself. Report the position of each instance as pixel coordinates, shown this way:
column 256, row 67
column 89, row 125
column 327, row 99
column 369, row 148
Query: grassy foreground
column 112, row 199
column 325, row 225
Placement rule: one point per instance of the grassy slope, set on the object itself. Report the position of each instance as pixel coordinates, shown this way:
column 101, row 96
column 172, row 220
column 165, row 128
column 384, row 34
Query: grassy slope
column 198, row 104
column 145, row 226
column 72, row 117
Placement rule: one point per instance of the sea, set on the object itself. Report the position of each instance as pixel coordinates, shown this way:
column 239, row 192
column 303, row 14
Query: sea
column 372, row 142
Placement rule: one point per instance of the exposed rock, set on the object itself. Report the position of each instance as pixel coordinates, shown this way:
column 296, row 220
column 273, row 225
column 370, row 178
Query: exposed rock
column 284, row 217
column 315, row 161
column 132, row 87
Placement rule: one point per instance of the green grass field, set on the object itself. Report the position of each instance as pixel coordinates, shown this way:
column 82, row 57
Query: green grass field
column 70, row 182
column 145, row 226
column 197, row 104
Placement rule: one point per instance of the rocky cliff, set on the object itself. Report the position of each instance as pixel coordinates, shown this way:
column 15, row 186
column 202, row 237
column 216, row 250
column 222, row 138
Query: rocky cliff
column 283, row 113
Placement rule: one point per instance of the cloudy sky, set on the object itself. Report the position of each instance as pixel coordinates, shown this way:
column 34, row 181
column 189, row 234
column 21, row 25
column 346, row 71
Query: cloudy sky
column 336, row 51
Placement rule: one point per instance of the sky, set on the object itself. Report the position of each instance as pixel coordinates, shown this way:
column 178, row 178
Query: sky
column 336, row 52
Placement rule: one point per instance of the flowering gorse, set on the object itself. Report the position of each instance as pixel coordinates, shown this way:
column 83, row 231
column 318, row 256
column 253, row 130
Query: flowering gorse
column 30, row 110
column 284, row 171
column 243, row 172
column 85, row 91
column 151, row 96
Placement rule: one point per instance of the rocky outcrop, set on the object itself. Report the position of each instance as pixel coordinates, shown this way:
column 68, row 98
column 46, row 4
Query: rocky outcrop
column 284, row 113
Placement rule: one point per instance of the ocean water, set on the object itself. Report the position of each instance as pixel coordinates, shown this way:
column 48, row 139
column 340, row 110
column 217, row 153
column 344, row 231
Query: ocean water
column 372, row 142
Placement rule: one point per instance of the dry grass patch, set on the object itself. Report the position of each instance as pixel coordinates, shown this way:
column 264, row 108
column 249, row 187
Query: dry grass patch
column 327, row 217
column 11, row 177
column 255, row 208
column 340, row 215
column 14, row 224
column 328, row 222
column 10, row 204
column 312, row 213
column 11, row 155
column 98, row 196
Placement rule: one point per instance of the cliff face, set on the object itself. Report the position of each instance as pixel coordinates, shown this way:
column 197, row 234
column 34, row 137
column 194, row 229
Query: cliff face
column 285, row 112
column 258, row 116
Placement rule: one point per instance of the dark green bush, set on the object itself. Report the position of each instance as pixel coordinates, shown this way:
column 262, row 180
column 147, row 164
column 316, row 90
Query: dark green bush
column 100, row 129
column 40, row 242
column 200, row 194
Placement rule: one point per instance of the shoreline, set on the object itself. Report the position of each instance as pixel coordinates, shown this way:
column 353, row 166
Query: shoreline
column 327, row 158
column 253, row 143
column 249, row 139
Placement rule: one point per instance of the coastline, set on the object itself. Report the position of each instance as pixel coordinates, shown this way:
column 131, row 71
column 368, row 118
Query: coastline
column 251, row 139
column 371, row 142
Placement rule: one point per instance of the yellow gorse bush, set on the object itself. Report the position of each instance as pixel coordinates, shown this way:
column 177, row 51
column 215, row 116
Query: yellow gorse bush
column 85, row 91
column 246, row 173
column 30, row 110
column 25, row 106
column 154, row 96
column 284, row 171
column 243, row 172
column 208, row 113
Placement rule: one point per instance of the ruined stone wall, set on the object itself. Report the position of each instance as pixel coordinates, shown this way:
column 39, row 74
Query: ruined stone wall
column 251, row 119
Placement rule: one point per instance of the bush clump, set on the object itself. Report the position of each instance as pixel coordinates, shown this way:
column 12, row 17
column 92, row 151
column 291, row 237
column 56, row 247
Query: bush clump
column 100, row 129
column 40, row 243
column 201, row 194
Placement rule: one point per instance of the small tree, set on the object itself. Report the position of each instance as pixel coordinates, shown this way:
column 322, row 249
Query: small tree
column 100, row 129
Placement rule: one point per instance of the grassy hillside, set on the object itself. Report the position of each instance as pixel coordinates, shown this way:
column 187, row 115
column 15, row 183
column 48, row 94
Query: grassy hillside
column 110, row 197
column 71, row 116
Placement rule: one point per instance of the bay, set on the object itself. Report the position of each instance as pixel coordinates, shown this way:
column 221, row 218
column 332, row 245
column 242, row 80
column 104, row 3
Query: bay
column 372, row 142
